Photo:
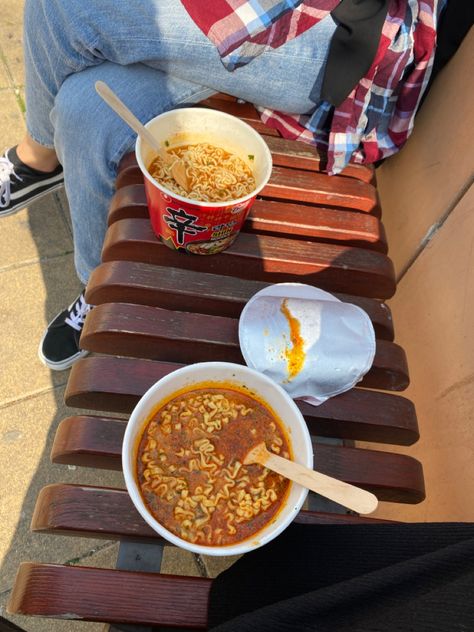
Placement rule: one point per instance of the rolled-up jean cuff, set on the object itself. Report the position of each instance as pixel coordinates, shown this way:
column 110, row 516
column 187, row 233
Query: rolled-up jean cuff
column 49, row 145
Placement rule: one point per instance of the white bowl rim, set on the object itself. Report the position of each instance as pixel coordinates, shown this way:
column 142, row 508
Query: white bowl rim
column 136, row 421
column 241, row 200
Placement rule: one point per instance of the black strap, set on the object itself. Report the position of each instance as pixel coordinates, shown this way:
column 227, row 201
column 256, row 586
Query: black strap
column 353, row 46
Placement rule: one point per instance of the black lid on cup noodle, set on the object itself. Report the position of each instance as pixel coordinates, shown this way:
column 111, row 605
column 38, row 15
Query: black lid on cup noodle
column 308, row 341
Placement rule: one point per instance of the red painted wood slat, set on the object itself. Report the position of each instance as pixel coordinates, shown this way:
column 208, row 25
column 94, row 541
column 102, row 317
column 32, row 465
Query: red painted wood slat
column 141, row 331
column 290, row 153
column 279, row 219
column 93, row 594
column 272, row 259
column 318, row 188
column 116, row 384
column 186, row 290
column 101, row 512
column 297, row 185
column 391, row 476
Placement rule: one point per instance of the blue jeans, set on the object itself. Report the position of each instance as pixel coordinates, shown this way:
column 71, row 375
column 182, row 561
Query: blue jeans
column 153, row 55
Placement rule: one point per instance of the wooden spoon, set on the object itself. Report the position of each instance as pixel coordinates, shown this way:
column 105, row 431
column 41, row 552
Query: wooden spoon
column 349, row 496
column 178, row 168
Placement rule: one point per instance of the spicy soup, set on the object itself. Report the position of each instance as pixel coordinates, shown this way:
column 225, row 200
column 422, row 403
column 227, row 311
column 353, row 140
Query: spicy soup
column 190, row 471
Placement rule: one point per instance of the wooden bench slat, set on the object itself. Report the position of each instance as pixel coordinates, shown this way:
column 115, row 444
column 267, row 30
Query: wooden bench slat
column 116, row 384
column 175, row 289
column 291, row 153
column 96, row 442
column 261, row 128
column 141, row 331
column 90, row 511
column 128, row 175
column 324, row 225
column 259, row 257
column 364, row 416
column 298, row 185
column 98, row 594
column 318, row 188
column 320, row 224
column 101, row 512
column 241, row 109
column 90, row 441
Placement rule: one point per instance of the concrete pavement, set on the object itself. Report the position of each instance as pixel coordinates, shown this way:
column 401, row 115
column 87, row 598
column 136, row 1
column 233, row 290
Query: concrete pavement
column 37, row 280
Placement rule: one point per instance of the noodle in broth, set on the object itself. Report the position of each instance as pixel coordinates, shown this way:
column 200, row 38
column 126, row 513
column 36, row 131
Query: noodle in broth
column 215, row 175
column 190, row 466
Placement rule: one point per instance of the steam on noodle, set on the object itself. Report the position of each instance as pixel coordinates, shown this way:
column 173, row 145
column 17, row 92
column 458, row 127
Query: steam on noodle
column 214, row 174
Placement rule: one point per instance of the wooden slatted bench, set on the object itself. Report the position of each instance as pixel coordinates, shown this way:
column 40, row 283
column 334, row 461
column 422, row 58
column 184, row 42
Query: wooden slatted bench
column 186, row 290
column 111, row 595
column 157, row 310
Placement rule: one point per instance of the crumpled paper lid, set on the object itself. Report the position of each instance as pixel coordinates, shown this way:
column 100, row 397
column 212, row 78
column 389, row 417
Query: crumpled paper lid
column 307, row 340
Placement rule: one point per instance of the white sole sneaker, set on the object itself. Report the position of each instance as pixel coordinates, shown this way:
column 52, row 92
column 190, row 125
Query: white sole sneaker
column 59, row 366
column 21, row 205
column 59, row 347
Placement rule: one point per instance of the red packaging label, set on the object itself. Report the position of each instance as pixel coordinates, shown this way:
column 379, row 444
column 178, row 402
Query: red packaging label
column 194, row 228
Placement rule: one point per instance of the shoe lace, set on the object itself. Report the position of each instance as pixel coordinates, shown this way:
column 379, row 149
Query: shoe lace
column 7, row 170
column 77, row 313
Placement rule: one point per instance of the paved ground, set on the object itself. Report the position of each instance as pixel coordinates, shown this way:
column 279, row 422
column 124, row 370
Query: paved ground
column 37, row 280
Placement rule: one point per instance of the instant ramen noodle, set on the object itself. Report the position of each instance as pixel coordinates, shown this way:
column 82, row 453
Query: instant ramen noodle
column 214, row 174
column 190, row 465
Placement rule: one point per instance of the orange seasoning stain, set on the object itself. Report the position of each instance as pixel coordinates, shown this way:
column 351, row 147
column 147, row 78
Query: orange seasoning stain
column 295, row 355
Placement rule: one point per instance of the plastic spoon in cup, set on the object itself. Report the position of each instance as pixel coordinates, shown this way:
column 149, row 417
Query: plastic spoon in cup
column 349, row 496
column 178, row 168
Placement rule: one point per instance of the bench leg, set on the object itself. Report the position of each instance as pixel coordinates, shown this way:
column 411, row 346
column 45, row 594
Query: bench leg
column 134, row 556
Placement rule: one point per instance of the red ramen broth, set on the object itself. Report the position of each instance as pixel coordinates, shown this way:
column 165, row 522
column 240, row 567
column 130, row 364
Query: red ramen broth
column 190, row 471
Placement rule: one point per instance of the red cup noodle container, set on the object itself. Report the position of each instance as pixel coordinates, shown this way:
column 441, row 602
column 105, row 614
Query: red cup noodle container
column 191, row 226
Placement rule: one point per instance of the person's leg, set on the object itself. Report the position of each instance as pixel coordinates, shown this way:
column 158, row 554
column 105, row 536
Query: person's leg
column 91, row 139
column 162, row 35
column 63, row 37
column 72, row 45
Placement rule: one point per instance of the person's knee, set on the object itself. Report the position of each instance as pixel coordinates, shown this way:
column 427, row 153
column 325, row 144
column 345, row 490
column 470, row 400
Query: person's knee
column 70, row 116
column 85, row 125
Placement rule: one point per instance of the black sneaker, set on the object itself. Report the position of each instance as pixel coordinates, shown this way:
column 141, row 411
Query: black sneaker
column 59, row 347
column 20, row 184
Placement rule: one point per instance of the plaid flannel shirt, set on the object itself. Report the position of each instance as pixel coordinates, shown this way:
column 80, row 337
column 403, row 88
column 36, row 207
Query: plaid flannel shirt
column 377, row 117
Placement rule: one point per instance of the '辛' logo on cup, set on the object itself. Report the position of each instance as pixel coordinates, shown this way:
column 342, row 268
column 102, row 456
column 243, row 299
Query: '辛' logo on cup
column 182, row 224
